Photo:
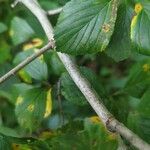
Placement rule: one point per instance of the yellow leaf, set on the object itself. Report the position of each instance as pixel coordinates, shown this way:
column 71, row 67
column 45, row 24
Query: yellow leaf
column 19, row 100
column 138, row 8
column 95, row 119
column 36, row 42
column 146, row 67
column 27, row 46
column 24, row 76
column 48, row 104
column 133, row 23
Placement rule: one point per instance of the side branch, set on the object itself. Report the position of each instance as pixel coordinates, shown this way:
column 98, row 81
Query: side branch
column 84, row 85
column 25, row 62
column 55, row 11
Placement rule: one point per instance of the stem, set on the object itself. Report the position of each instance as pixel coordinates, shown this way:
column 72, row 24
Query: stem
column 25, row 62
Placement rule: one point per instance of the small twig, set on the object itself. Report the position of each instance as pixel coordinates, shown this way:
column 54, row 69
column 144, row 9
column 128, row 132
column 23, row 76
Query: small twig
column 55, row 11
column 25, row 62
column 60, row 102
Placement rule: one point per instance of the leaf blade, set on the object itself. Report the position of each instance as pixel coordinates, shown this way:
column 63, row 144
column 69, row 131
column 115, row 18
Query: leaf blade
column 85, row 26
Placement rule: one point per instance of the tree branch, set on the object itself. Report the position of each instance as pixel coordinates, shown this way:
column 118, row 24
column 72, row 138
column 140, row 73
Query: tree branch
column 26, row 62
column 84, row 85
column 55, row 11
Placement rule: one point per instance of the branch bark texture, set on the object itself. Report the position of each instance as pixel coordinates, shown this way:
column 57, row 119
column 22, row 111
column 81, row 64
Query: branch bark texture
column 84, row 85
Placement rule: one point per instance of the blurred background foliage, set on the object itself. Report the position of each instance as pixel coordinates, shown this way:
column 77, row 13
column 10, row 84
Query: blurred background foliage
column 41, row 107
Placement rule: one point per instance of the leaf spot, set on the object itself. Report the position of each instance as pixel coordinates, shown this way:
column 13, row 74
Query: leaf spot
column 30, row 108
column 106, row 28
column 138, row 8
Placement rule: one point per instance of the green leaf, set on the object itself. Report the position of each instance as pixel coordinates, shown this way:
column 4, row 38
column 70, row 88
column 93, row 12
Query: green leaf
column 98, row 137
column 19, row 88
column 4, row 143
column 20, row 31
column 37, row 69
column 139, row 79
column 85, row 26
column 55, row 66
column 48, row 5
column 3, row 27
column 144, row 105
column 72, row 93
column 33, row 22
column 120, row 107
column 39, row 145
column 62, row 2
column 4, row 51
column 93, row 137
column 30, row 108
column 140, row 34
column 6, row 87
column 119, row 47
column 133, row 122
column 139, row 120
column 8, row 131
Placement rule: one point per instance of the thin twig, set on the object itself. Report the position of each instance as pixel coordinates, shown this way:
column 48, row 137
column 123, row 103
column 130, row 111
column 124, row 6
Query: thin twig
column 85, row 86
column 25, row 62
column 55, row 11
